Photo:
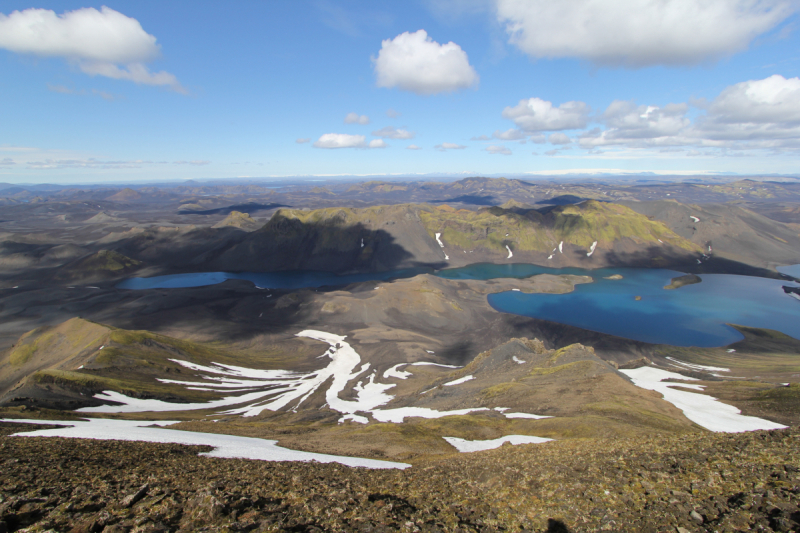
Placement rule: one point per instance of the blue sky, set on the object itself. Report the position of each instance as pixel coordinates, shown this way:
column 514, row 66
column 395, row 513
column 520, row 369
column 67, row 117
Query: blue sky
column 178, row 90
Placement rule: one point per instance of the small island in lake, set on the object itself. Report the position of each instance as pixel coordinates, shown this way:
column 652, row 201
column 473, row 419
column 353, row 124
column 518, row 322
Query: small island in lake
column 680, row 281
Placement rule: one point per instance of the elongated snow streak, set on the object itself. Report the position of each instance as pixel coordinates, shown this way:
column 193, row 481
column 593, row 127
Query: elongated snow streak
column 518, row 360
column 282, row 389
column 694, row 218
column 459, row 381
column 701, row 409
column 700, row 367
column 525, row 415
column 395, row 372
column 510, row 253
column 560, row 247
column 591, row 250
column 441, row 244
column 466, row 446
column 226, row 446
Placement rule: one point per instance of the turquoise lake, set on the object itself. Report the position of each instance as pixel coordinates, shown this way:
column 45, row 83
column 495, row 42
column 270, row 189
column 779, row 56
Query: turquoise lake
column 694, row 315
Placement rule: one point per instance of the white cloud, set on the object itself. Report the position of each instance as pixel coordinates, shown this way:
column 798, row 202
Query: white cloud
column 196, row 162
column 414, row 62
column 49, row 164
column 639, row 33
column 754, row 110
column 302, row 140
column 377, row 143
column 391, row 113
column 94, row 92
column 355, row 118
column 449, row 146
column 558, row 138
column 481, row 138
column 639, row 125
column 535, row 115
column 340, row 140
column 751, row 115
column 512, row 134
column 390, row 132
column 100, row 43
column 7, row 161
column 538, row 139
column 499, row 150
column 413, row 147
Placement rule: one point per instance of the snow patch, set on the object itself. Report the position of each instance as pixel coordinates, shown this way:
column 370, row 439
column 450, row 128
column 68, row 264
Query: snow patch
column 441, row 245
column 354, row 418
column 517, row 360
column 395, row 372
column 591, row 250
column 699, row 367
column 459, row 381
column 225, row 446
column 695, row 219
column 525, row 415
column 510, row 253
column 560, row 247
column 701, row 409
column 467, row 446
column 399, row 414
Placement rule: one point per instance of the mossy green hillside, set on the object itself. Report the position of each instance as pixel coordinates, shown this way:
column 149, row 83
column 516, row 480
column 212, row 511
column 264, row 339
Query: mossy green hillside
column 70, row 338
column 580, row 225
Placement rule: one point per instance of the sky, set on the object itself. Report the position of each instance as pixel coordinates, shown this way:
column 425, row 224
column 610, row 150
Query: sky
column 147, row 91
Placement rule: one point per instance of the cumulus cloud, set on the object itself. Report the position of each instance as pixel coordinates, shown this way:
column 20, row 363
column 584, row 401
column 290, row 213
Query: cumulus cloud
column 340, row 140
column 535, row 114
column 390, row 132
column 413, row 147
column 414, row 62
column 355, row 118
column 498, row 150
column 302, row 140
column 765, row 109
column 751, row 115
column 377, row 143
column 558, row 138
column 639, row 125
column 100, row 43
column 512, row 134
column 391, row 113
column 639, row 33
column 449, row 146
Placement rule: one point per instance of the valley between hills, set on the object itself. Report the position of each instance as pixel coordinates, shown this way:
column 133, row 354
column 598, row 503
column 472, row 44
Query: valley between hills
column 381, row 356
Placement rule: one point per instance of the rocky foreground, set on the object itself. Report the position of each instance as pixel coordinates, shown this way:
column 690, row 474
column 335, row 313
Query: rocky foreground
column 696, row 482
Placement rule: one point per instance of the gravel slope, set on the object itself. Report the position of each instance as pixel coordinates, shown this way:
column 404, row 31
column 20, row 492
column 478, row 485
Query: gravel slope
column 698, row 482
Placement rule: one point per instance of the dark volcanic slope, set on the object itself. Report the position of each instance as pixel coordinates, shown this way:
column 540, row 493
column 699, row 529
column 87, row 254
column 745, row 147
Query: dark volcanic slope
column 731, row 232
column 710, row 482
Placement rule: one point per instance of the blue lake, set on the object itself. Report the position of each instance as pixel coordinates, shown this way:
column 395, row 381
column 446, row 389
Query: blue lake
column 694, row 315
column 294, row 279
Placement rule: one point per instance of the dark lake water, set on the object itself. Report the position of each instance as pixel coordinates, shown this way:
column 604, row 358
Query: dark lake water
column 296, row 279
column 694, row 315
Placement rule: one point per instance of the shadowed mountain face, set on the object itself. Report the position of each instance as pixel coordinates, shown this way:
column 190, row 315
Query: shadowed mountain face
column 335, row 240
column 727, row 232
column 248, row 208
column 388, row 237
